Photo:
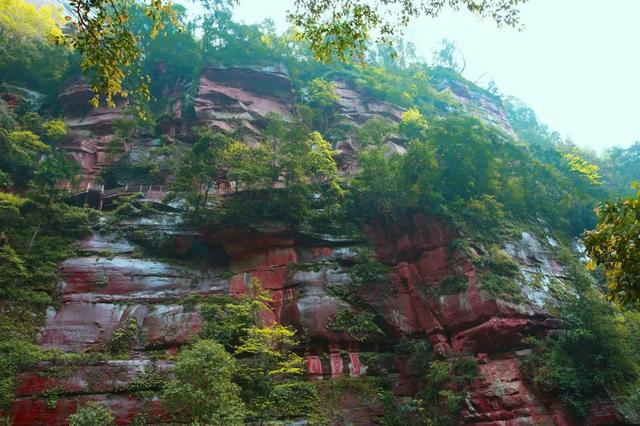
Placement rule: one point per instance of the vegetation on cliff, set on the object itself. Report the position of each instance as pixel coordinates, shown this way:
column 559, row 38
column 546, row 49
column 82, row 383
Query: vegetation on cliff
column 425, row 155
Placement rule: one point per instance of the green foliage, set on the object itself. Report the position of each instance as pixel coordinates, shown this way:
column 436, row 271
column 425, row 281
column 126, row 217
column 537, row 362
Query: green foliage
column 499, row 275
column 497, row 261
column 621, row 166
column 147, row 380
column 203, row 391
column 367, row 270
column 593, row 353
column 267, row 365
column 454, row 284
column 30, row 161
column 281, row 178
column 35, row 236
column 291, row 400
column 56, row 167
column 412, row 124
column 21, row 152
column 15, row 355
column 501, row 287
column 484, row 212
column 359, row 325
column 7, row 119
column 124, row 338
column 270, row 346
column 583, row 167
column 110, row 61
column 323, row 99
column 475, row 175
column 92, row 414
column 322, row 93
column 27, row 36
column 441, row 395
column 376, row 191
column 448, row 56
column 375, row 131
column 341, row 29
column 200, row 168
column 226, row 320
column 54, row 131
column 613, row 245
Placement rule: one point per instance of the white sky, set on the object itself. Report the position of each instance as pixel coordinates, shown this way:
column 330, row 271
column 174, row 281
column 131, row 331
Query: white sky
column 576, row 63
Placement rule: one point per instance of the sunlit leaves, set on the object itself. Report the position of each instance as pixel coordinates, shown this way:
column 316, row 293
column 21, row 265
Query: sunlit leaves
column 111, row 51
column 615, row 246
column 341, row 29
column 584, row 168
column 27, row 53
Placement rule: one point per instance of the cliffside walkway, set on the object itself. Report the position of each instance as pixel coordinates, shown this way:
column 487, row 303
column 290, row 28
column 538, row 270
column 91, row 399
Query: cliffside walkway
column 96, row 195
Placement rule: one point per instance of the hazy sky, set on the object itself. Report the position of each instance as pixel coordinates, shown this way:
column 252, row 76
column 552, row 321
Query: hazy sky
column 576, row 62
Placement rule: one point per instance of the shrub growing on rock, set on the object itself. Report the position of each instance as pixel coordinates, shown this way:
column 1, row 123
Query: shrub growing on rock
column 203, row 390
column 92, row 414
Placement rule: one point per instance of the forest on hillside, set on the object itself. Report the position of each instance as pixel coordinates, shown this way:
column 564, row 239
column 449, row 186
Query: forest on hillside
column 437, row 156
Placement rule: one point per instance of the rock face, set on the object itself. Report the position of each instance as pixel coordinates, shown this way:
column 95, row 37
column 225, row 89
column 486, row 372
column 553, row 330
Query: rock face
column 89, row 130
column 476, row 102
column 107, row 294
column 356, row 108
column 111, row 298
column 225, row 98
column 244, row 95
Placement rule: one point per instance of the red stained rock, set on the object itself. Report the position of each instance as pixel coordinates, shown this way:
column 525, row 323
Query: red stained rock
column 435, row 264
column 238, row 284
column 337, row 365
column 314, row 366
column 170, row 326
column 225, row 94
column 501, row 397
column 354, row 364
column 101, row 377
column 494, row 335
column 101, row 280
column 80, row 326
column 35, row 412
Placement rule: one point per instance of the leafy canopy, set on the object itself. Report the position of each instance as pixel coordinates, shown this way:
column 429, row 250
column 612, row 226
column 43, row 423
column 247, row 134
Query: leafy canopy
column 343, row 28
column 92, row 414
column 614, row 245
column 111, row 50
column 27, row 53
column 203, row 391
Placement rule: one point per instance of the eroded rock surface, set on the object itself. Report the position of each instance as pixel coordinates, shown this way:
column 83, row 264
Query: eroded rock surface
column 108, row 290
column 112, row 295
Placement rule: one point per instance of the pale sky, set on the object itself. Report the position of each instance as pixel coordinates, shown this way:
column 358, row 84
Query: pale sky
column 576, row 62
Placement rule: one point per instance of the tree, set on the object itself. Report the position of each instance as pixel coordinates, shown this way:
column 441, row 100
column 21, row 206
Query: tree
column 621, row 166
column 342, row 28
column 448, row 56
column 201, row 167
column 375, row 131
column 12, row 271
column 324, row 100
column 92, row 414
column 584, row 168
column 339, row 28
column 21, row 151
column 26, row 28
column 596, row 354
column 57, row 167
column 266, row 360
column 614, row 245
column 203, row 390
column 412, row 124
